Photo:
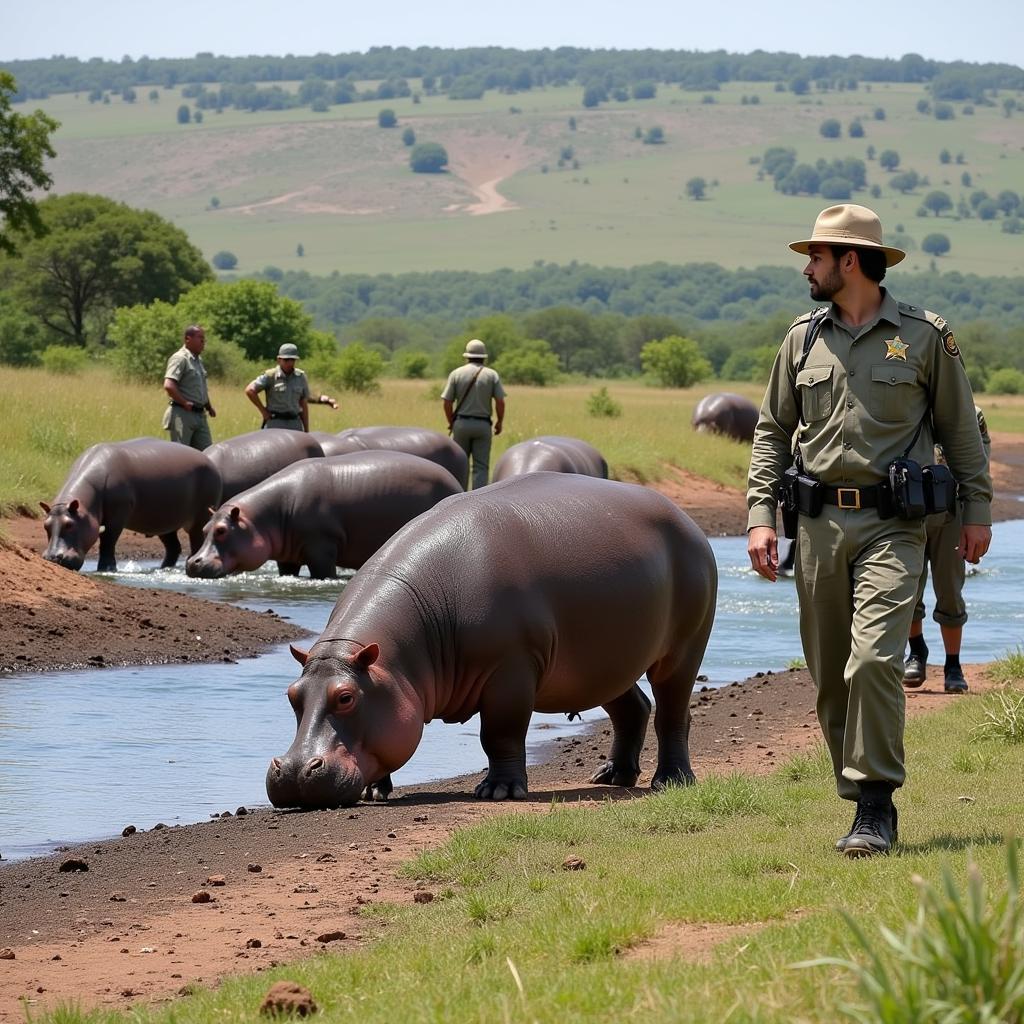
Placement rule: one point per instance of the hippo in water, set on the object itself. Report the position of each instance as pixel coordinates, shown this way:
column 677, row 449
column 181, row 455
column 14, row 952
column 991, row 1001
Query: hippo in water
column 551, row 454
column 150, row 486
column 246, row 459
column 322, row 513
column 726, row 413
column 545, row 592
column 427, row 444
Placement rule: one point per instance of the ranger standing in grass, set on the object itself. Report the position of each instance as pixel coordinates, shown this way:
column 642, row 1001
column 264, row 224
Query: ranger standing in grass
column 287, row 393
column 185, row 384
column 866, row 384
column 467, row 399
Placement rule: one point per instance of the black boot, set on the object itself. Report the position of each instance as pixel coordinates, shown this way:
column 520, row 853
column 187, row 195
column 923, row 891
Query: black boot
column 875, row 826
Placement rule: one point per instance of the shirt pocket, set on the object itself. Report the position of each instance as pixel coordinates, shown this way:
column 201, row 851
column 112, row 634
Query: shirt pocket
column 814, row 387
column 891, row 394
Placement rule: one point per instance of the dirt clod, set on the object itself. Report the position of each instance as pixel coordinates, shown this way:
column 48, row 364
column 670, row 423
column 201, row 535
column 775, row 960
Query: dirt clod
column 202, row 896
column 74, row 864
column 574, row 864
column 288, row 999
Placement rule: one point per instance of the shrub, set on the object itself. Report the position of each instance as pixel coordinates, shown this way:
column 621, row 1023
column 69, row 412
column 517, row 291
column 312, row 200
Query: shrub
column 655, row 136
column 944, row 112
column 935, row 244
column 357, row 368
column 225, row 260
column 879, row 113
column 1005, row 381
column 412, row 365
column 528, row 362
column 856, row 130
column 386, row 118
column 408, row 137
column 835, row 188
column 64, row 359
column 428, row 158
column 600, row 403
column 830, row 128
column 675, row 362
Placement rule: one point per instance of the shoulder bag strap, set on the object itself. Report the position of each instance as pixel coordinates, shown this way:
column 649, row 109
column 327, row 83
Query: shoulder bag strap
column 469, row 387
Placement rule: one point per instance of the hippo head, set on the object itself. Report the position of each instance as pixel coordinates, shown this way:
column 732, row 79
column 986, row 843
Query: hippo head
column 71, row 532
column 231, row 544
column 353, row 728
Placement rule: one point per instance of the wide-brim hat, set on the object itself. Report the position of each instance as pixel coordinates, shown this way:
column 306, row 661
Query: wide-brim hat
column 288, row 351
column 852, row 225
column 475, row 349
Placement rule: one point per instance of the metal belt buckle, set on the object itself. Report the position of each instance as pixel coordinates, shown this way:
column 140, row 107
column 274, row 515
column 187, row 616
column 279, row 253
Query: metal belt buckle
column 843, row 502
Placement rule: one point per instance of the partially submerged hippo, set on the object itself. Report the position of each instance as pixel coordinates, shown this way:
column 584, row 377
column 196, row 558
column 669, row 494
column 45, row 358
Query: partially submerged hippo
column 150, row 486
column 551, row 454
column 322, row 513
column 246, row 459
column 427, row 444
column 726, row 413
column 544, row 592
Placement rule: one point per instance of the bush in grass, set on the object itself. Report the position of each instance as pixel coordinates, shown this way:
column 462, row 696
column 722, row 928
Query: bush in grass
column 529, row 362
column 64, row 359
column 358, row 368
column 600, row 403
column 412, row 364
column 225, row 260
column 428, row 158
column 675, row 362
column 386, row 118
column 1005, row 381
column 936, row 244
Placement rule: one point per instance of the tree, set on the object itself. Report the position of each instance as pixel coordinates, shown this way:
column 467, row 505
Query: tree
column 225, row 260
column 675, row 362
column 408, row 137
column 300, row 250
column 835, row 188
column 944, row 112
column 593, row 95
column 830, row 128
column 654, row 136
column 386, row 118
column 905, row 181
column 696, row 187
column 96, row 255
column 879, row 113
column 22, row 338
column 184, row 114
column 644, row 90
column 24, row 145
column 889, row 159
column 428, row 158
column 358, row 368
column 1008, row 201
column 856, row 130
column 935, row 244
column 529, row 362
column 945, row 156
column 938, row 202
column 923, row 107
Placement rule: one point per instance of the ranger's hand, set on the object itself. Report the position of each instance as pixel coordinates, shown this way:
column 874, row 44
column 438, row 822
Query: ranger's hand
column 763, row 549
column 974, row 542
column 210, row 409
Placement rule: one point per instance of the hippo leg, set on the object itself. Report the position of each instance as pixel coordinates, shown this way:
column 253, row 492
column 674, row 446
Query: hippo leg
column 672, row 691
column 322, row 561
column 379, row 791
column 108, row 541
column 629, row 714
column 288, row 568
column 172, row 549
column 505, row 709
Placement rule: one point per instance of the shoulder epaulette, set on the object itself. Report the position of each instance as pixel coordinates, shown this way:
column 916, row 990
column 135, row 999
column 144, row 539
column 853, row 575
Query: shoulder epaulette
column 917, row 312
column 949, row 345
column 803, row 318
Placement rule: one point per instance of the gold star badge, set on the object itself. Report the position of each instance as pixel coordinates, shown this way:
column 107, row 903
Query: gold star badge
column 896, row 349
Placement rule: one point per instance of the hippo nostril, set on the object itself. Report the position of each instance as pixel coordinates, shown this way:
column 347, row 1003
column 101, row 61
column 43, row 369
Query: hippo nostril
column 313, row 765
column 275, row 765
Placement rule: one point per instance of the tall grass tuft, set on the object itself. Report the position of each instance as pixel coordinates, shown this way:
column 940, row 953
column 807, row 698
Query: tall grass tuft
column 1009, row 668
column 958, row 960
column 809, row 765
column 1003, row 717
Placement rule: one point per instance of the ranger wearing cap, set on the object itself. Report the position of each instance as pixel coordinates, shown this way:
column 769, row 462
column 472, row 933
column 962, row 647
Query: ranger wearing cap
column 467, row 398
column 857, row 384
column 287, row 393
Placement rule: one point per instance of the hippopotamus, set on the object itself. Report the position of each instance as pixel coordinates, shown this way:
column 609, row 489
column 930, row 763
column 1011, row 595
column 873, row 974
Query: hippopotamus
column 322, row 513
column 246, row 459
column 551, row 454
column 543, row 592
column 726, row 413
column 151, row 486
column 427, row 444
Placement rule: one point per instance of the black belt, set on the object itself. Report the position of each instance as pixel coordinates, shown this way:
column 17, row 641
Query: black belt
column 466, row 416
column 285, row 415
column 851, row 497
column 201, row 409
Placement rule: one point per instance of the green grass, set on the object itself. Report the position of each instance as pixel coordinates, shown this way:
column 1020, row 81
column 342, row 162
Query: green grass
column 653, row 430
column 355, row 206
column 513, row 936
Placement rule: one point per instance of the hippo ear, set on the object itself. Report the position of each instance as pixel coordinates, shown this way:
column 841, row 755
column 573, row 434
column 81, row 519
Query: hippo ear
column 236, row 513
column 298, row 654
column 211, row 510
column 368, row 655
column 73, row 506
column 44, row 507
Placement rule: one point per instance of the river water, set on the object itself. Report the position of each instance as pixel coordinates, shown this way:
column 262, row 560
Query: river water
column 84, row 753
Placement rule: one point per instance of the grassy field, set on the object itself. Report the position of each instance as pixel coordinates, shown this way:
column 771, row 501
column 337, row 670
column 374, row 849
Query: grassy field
column 654, row 428
column 340, row 186
column 740, row 870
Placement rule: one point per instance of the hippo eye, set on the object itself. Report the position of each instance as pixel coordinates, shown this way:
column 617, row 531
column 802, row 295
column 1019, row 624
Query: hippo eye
column 342, row 700
column 220, row 532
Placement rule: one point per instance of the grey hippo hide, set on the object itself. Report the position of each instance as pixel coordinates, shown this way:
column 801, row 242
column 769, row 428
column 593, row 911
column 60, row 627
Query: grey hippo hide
column 427, row 444
column 551, row 454
column 247, row 459
column 322, row 513
column 545, row 592
column 150, row 486
column 726, row 413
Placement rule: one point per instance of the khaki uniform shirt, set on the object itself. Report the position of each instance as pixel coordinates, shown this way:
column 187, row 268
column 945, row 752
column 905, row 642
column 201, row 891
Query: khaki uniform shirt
column 864, row 391
column 188, row 371
column 283, row 390
column 477, row 402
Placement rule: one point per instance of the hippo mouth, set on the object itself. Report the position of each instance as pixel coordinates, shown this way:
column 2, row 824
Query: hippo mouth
column 205, row 570
column 318, row 783
column 65, row 559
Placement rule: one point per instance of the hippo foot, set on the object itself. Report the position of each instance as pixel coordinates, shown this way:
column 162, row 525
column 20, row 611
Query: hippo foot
column 614, row 774
column 501, row 789
column 378, row 792
column 665, row 777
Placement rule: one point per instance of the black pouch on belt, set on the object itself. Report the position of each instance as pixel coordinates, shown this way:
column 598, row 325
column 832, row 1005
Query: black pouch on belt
column 939, row 488
column 810, row 496
column 788, row 502
column 906, row 481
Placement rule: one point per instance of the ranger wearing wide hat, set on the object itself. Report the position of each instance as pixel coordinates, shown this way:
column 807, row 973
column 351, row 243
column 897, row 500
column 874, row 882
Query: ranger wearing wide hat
column 857, row 384
column 287, row 392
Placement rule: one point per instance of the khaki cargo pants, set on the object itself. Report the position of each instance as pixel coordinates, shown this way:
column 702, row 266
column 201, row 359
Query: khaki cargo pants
column 857, row 578
column 191, row 428
column 473, row 436
column 948, row 571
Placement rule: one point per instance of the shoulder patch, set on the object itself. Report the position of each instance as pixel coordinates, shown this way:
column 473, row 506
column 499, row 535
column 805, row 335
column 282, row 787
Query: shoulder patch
column 949, row 345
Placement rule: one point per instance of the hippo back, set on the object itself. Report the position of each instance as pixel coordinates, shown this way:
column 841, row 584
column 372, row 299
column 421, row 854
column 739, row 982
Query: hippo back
column 726, row 413
column 247, row 459
column 427, row 444
column 551, row 454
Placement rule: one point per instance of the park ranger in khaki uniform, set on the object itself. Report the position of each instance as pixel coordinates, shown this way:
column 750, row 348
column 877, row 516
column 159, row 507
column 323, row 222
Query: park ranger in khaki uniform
column 467, row 399
column 881, row 380
column 287, row 393
column 185, row 384
column 942, row 554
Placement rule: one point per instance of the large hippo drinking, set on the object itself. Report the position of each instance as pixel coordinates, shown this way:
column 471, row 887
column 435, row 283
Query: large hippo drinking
column 246, row 459
column 150, row 486
column 322, row 513
column 726, row 413
column 551, row 454
column 545, row 592
column 427, row 444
